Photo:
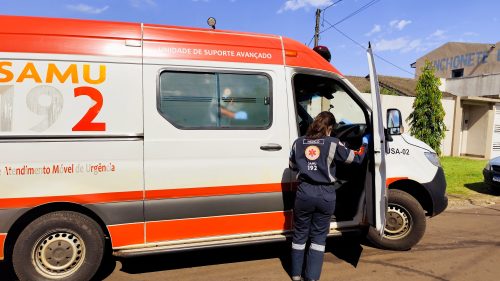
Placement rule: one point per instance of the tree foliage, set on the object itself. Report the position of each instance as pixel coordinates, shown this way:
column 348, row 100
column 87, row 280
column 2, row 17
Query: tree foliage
column 426, row 120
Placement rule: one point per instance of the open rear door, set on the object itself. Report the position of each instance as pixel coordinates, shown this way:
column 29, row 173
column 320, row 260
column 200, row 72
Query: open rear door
column 379, row 148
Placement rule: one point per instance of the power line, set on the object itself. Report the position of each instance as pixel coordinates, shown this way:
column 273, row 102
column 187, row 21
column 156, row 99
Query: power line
column 323, row 11
column 312, row 38
column 352, row 40
column 333, row 4
column 364, row 48
column 364, row 7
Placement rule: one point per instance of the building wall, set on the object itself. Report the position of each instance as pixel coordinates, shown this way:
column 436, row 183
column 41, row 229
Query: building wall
column 475, row 59
column 404, row 104
column 482, row 85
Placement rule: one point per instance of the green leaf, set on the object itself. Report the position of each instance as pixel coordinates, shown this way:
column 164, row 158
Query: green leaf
column 427, row 118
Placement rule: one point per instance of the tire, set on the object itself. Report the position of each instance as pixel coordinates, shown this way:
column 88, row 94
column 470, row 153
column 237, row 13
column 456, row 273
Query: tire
column 405, row 223
column 62, row 245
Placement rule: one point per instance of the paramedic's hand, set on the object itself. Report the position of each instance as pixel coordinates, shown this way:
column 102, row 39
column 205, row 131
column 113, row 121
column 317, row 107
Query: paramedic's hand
column 241, row 115
column 366, row 139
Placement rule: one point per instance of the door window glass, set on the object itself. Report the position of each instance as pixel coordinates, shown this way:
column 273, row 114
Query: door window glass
column 192, row 100
column 314, row 94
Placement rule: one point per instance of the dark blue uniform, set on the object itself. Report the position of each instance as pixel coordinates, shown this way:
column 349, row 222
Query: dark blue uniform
column 315, row 160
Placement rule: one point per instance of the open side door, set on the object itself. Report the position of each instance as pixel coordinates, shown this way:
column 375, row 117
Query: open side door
column 379, row 149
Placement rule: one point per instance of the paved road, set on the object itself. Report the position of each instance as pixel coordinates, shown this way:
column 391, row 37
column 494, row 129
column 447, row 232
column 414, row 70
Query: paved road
column 461, row 244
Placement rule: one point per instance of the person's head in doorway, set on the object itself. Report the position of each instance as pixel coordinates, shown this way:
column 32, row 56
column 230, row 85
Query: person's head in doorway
column 322, row 125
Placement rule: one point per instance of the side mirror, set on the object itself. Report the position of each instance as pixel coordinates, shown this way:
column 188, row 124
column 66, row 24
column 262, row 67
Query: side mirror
column 394, row 122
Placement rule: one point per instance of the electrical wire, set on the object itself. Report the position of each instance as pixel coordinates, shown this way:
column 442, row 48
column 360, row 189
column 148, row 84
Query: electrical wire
column 333, row 4
column 308, row 44
column 364, row 48
column 364, row 7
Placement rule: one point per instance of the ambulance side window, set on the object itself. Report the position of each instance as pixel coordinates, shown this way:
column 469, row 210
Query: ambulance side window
column 195, row 100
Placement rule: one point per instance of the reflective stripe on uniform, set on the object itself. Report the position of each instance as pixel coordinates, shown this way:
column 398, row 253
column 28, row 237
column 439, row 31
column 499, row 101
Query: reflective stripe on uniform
column 331, row 157
column 299, row 247
column 316, row 247
column 350, row 157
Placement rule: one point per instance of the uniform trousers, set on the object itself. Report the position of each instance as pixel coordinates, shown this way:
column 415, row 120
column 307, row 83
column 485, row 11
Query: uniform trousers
column 314, row 207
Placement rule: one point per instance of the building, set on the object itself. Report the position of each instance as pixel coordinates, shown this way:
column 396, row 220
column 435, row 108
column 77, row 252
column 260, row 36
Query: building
column 471, row 73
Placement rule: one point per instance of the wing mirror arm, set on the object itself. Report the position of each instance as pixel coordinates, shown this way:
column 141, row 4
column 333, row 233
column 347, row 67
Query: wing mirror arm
column 388, row 137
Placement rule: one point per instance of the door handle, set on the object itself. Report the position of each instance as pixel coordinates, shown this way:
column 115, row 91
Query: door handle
column 271, row 147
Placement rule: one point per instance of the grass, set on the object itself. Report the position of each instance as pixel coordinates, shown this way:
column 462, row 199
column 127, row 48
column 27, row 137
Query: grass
column 464, row 176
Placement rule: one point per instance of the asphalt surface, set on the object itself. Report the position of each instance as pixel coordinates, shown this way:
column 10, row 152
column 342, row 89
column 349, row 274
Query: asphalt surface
column 460, row 244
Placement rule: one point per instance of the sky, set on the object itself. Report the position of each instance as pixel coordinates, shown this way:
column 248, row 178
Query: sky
column 401, row 31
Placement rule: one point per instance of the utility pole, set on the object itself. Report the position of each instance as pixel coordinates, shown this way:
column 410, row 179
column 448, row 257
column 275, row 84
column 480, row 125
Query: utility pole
column 316, row 29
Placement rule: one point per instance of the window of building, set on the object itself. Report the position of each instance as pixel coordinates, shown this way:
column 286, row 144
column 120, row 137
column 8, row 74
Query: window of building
column 455, row 73
column 195, row 100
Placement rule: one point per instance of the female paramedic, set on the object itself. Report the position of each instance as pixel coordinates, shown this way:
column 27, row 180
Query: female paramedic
column 315, row 156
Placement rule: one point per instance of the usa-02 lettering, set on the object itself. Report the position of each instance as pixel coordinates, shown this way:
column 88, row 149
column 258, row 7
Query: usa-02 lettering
column 402, row 151
column 51, row 73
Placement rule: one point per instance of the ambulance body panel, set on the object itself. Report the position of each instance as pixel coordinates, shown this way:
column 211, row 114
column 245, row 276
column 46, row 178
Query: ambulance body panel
column 94, row 120
column 402, row 151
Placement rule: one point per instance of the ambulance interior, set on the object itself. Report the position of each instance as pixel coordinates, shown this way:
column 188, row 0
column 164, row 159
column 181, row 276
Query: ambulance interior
column 314, row 94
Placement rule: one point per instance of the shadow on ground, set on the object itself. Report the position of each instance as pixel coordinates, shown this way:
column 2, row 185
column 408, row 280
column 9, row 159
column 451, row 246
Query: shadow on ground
column 347, row 249
column 195, row 258
column 483, row 188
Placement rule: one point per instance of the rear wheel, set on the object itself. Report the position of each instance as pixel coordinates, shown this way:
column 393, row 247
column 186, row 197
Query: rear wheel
column 59, row 246
column 405, row 223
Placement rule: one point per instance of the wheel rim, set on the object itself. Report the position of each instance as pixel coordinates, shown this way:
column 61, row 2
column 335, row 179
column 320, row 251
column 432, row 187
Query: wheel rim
column 58, row 254
column 398, row 222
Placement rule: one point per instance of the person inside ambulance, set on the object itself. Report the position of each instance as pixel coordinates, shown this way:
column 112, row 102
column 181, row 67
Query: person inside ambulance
column 315, row 157
column 229, row 108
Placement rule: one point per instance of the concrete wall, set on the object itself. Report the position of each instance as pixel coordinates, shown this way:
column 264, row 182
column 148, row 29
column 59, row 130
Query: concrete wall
column 484, row 85
column 404, row 104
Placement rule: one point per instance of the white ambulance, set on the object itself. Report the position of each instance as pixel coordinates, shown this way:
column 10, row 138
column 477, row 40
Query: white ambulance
column 154, row 138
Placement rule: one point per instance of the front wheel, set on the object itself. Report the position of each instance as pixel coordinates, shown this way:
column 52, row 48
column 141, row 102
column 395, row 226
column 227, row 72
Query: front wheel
column 405, row 223
column 59, row 246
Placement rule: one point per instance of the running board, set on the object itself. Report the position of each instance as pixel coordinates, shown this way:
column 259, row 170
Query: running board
column 162, row 249
column 195, row 246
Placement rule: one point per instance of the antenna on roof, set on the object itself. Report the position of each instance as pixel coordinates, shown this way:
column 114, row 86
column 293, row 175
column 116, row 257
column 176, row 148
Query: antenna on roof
column 211, row 22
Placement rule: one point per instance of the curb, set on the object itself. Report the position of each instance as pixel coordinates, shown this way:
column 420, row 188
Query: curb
column 458, row 202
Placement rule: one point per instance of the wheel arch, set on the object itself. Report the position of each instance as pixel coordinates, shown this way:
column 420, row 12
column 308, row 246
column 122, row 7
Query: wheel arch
column 416, row 190
column 22, row 222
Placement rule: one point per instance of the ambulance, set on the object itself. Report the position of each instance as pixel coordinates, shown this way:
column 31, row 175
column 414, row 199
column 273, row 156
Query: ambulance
column 149, row 139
